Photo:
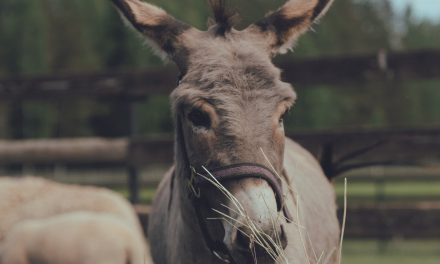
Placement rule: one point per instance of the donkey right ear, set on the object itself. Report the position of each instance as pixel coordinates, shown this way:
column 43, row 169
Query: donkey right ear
column 281, row 29
column 162, row 31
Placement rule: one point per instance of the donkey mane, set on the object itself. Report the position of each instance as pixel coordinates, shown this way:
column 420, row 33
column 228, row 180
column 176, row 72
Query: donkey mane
column 225, row 19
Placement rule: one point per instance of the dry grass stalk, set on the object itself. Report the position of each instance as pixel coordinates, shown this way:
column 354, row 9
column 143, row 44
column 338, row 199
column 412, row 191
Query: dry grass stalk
column 252, row 248
column 299, row 229
column 297, row 208
column 308, row 237
column 319, row 260
column 260, row 238
column 343, row 221
column 330, row 255
column 273, row 248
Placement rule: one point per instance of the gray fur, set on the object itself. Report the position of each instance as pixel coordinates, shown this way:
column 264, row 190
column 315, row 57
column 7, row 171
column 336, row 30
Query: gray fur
column 230, row 80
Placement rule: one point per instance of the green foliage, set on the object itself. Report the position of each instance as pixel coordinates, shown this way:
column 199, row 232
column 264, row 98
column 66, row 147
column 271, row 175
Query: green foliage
column 349, row 27
column 22, row 35
column 420, row 34
column 49, row 36
column 398, row 250
column 153, row 121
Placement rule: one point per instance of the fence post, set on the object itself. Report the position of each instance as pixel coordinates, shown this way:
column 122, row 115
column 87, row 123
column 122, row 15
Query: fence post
column 133, row 172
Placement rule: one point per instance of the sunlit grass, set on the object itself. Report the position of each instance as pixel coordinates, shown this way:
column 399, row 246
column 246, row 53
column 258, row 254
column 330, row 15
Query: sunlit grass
column 392, row 246
column 390, row 259
column 390, row 191
column 145, row 194
column 372, row 251
column 391, row 252
column 408, row 191
column 391, row 188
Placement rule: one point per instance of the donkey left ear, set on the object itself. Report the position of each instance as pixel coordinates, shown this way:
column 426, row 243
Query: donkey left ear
column 162, row 31
column 283, row 27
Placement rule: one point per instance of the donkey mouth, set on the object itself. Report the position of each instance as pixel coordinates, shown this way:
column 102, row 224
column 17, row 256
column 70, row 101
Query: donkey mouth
column 246, row 248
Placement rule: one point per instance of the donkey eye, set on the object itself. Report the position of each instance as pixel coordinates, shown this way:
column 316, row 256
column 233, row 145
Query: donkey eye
column 282, row 117
column 198, row 118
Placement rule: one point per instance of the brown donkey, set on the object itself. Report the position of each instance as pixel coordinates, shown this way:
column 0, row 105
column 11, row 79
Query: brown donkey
column 229, row 104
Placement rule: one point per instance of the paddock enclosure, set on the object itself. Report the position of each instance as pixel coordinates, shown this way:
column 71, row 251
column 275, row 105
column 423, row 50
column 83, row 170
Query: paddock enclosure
column 392, row 167
column 338, row 150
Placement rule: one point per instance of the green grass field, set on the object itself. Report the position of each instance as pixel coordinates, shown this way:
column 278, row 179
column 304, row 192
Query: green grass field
column 356, row 192
column 391, row 252
column 390, row 191
column 374, row 251
column 428, row 189
column 145, row 194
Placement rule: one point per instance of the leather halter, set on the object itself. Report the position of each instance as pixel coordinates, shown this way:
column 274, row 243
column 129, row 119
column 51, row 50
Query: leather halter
column 236, row 171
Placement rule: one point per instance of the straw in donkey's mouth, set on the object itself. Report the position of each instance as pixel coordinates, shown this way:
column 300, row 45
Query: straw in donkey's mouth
column 273, row 247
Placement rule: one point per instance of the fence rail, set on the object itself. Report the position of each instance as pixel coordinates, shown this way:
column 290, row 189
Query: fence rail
column 416, row 220
column 402, row 66
column 387, row 220
column 68, row 151
column 337, row 150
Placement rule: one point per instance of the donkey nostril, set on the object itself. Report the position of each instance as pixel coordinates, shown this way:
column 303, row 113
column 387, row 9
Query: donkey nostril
column 283, row 237
column 242, row 241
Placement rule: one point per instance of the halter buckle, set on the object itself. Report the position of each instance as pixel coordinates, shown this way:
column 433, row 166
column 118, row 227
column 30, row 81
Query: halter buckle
column 190, row 183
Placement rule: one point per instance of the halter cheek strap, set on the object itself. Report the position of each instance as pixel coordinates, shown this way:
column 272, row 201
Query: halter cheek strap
column 236, row 171
column 216, row 248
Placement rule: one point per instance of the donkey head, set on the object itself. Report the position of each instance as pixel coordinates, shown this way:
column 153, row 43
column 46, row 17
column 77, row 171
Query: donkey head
column 230, row 102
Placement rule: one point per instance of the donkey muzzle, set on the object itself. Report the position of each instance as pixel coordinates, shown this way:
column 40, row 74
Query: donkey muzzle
column 246, row 170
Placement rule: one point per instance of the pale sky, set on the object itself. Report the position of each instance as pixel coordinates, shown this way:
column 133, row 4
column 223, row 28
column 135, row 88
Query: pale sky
column 421, row 8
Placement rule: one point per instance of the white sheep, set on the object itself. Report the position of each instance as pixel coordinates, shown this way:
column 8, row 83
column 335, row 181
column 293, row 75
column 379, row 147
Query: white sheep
column 73, row 238
column 29, row 197
column 32, row 198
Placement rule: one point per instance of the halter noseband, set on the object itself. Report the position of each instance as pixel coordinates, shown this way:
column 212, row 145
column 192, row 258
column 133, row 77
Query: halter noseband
column 236, row 171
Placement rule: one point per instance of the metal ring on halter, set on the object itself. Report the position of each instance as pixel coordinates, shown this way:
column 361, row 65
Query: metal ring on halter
column 191, row 181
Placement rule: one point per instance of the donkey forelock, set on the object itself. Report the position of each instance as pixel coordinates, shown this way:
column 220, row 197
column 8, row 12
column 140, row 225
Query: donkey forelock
column 225, row 18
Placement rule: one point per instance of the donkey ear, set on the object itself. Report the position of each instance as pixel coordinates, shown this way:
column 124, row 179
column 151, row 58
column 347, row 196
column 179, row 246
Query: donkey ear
column 283, row 27
column 163, row 32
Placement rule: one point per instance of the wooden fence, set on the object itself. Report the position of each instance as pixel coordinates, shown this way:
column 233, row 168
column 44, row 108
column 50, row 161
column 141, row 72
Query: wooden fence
column 337, row 150
column 384, row 221
column 339, row 71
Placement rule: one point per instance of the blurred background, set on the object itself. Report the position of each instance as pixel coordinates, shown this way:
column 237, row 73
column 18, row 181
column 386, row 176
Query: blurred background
column 57, row 37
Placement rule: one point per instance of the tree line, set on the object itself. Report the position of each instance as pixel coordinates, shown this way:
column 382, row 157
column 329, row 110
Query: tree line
column 53, row 36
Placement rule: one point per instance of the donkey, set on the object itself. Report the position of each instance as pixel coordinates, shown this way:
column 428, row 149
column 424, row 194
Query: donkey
column 228, row 106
